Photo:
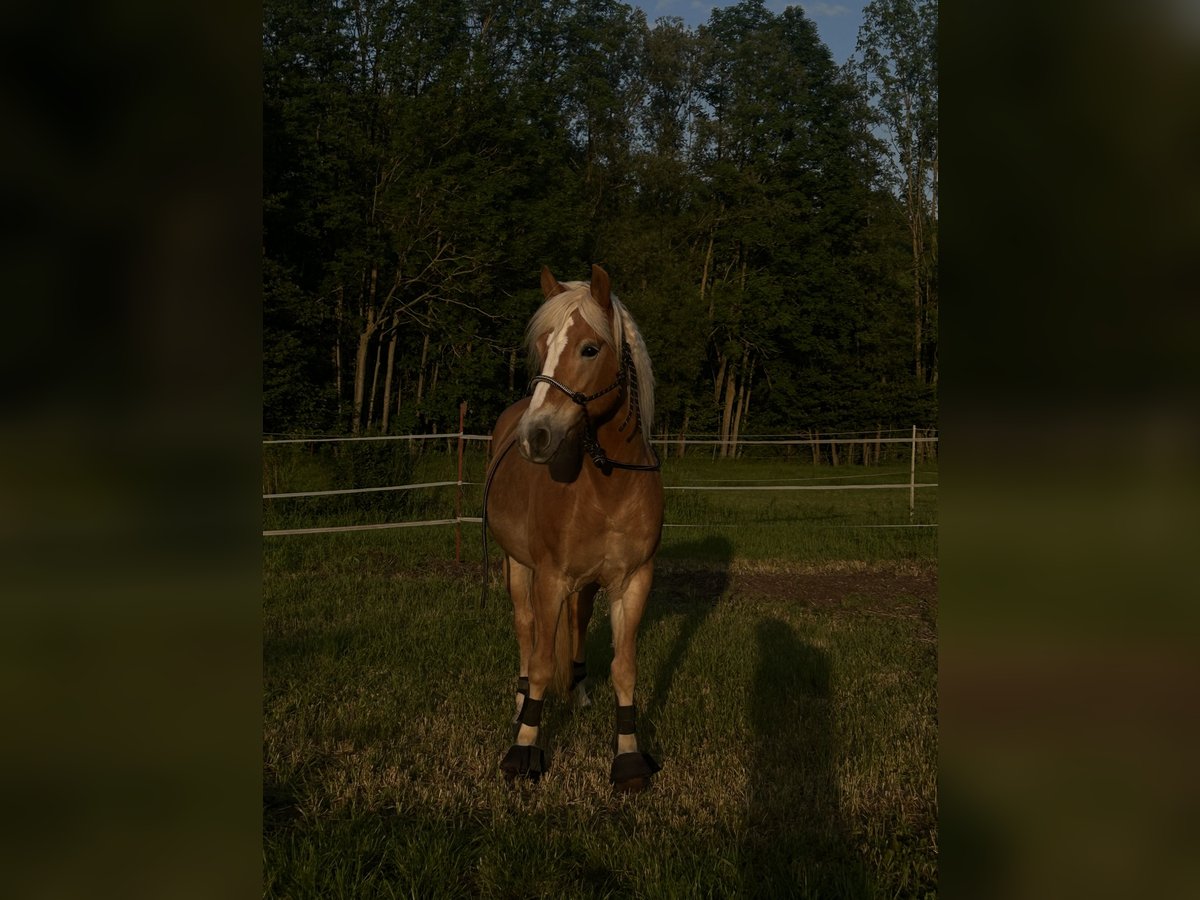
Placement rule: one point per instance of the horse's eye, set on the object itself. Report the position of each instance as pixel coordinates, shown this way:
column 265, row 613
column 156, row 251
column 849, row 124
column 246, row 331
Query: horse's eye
column 589, row 350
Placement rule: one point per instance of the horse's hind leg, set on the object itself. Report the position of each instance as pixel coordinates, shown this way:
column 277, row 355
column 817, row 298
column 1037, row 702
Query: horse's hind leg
column 581, row 614
column 631, row 769
column 519, row 581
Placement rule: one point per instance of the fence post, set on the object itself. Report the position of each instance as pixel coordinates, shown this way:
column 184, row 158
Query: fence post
column 462, row 417
column 912, row 476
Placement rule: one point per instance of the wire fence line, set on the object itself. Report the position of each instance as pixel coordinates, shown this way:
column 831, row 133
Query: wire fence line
column 798, row 487
column 667, row 441
column 282, row 438
column 791, row 442
column 367, row 490
column 476, row 520
column 741, row 484
column 329, row 529
column 453, row 435
column 666, row 487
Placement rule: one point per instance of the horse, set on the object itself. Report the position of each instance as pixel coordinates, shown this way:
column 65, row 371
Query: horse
column 571, row 519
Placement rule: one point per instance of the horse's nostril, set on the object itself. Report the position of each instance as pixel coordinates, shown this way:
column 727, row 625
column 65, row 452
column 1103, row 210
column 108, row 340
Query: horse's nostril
column 539, row 440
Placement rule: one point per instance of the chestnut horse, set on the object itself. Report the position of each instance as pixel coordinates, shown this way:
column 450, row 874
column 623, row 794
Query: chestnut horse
column 570, row 518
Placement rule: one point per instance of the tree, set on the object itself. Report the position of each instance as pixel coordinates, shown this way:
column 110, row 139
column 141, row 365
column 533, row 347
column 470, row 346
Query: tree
column 424, row 158
column 897, row 50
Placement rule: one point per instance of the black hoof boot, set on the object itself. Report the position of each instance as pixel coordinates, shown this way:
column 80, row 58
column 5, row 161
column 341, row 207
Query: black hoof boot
column 631, row 772
column 523, row 690
column 523, row 761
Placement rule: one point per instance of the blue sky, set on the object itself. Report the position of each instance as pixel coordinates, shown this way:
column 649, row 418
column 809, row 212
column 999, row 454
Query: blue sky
column 837, row 20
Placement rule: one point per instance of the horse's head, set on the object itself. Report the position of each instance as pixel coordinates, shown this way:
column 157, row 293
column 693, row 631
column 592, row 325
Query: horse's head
column 573, row 342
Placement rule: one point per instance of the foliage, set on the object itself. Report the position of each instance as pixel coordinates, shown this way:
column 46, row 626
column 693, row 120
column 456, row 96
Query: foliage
column 897, row 65
column 423, row 159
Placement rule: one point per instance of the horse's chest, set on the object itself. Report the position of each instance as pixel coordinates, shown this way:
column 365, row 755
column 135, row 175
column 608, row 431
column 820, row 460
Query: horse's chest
column 590, row 539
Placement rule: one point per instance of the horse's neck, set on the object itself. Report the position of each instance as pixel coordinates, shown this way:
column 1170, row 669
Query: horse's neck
column 628, row 445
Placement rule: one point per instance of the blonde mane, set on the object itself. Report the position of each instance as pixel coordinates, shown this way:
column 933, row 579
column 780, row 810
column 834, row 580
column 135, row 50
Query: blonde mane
column 553, row 314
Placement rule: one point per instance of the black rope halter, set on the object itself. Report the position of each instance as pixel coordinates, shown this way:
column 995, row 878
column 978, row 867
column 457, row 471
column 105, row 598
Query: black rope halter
column 626, row 375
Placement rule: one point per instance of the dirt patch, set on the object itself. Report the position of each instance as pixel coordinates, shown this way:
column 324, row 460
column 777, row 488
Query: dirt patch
column 877, row 588
column 837, row 588
column 896, row 590
column 817, row 582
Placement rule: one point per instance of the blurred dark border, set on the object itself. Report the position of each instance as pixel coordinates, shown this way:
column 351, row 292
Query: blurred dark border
column 129, row 449
column 1071, row 317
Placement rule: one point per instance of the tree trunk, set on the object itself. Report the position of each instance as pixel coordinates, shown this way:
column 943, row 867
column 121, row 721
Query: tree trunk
column 512, row 372
column 374, row 384
column 708, row 264
column 421, row 370
column 720, row 380
column 917, row 309
column 387, row 381
column 727, row 413
column 683, row 433
column 360, row 371
column 816, row 447
column 833, row 452
column 337, row 348
column 915, row 204
column 360, row 357
column 737, row 416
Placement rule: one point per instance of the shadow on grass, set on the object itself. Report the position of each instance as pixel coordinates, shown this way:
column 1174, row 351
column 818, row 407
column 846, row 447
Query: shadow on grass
column 690, row 590
column 796, row 842
column 688, row 583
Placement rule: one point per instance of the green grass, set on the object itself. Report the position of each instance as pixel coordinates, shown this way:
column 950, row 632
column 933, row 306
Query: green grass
column 796, row 724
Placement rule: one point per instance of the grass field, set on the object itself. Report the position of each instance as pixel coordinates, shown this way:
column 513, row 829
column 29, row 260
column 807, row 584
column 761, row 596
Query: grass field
column 787, row 685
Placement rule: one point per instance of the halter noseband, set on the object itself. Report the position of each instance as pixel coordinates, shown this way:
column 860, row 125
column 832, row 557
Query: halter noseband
column 626, row 373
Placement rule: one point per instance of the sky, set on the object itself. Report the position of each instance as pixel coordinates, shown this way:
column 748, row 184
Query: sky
column 837, row 21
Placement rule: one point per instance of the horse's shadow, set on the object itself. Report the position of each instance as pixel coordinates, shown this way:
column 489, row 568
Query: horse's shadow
column 688, row 583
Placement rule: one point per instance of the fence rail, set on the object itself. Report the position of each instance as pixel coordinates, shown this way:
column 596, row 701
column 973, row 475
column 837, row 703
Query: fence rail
column 455, row 435
column 461, row 437
column 669, row 441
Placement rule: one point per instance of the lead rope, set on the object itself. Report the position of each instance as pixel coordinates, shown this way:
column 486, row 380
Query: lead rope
column 487, row 487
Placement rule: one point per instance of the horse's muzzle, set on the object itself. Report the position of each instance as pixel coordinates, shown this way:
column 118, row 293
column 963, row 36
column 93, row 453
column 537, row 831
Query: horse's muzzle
column 538, row 440
column 537, row 443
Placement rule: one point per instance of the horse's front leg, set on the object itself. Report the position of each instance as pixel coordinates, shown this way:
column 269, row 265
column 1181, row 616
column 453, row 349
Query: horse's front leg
column 548, row 597
column 631, row 768
column 519, row 581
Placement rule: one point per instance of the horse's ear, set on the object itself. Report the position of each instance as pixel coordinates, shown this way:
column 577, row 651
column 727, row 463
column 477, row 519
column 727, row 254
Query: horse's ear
column 550, row 285
column 601, row 289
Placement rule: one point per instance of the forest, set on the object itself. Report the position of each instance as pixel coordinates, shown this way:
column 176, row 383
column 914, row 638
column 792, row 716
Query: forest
column 768, row 216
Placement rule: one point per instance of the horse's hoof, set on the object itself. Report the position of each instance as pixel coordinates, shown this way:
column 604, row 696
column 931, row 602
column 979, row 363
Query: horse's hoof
column 631, row 772
column 525, row 761
column 582, row 700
